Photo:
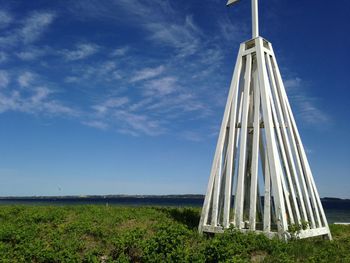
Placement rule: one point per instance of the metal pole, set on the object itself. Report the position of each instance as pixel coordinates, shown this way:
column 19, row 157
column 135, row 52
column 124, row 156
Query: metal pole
column 255, row 19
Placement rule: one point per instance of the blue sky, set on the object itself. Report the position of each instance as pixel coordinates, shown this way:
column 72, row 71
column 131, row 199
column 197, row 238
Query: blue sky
column 126, row 97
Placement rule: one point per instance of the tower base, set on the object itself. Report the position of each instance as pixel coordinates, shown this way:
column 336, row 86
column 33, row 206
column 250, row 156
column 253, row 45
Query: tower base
column 260, row 178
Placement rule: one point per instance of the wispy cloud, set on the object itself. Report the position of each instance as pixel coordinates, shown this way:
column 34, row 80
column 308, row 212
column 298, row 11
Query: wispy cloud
column 3, row 57
column 120, row 52
column 35, row 25
column 184, row 37
column 110, row 104
column 31, row 53
column 232, row 32
column 25, row 79
column 134, row 124
column 38, row 101
column 147, row 73
column 118, row 92
column 82, row 51
column 34, row 99
column 306, row 106
column 161, row 87
column 95, row 72
column 4, row 79
column 5, row 19
column 30, row 30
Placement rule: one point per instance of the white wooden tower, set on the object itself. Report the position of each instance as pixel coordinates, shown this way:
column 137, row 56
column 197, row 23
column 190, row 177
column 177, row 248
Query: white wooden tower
column 260, row 178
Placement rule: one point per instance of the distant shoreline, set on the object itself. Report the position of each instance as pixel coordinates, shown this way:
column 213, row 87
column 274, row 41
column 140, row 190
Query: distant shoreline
column 101, row 196
column 82, row 197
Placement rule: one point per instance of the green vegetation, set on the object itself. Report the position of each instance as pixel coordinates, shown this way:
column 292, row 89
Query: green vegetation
column 145, row 234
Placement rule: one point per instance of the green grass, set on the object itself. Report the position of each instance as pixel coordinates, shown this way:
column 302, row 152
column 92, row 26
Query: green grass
column 145, row 234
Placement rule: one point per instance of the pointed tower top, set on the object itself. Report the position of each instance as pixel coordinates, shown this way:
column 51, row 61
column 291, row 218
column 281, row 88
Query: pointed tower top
column 255, row 16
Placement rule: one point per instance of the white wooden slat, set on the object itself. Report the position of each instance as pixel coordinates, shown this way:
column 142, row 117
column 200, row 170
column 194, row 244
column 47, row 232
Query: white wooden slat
column 287, row 174
column 288, row 137
column 239, row 119
column 301, row 172
column 267, row 189
column 294, row 145
column 239, row 199
column 321, row 208
column 287, row 155
column 306, row 166
column 270, row 139
column 284, row 186
column 231, row 95
column 279, row 139
column 230, row 160
column 278, row 127
column 255, row 155
column 215, row 208
column 306, row 182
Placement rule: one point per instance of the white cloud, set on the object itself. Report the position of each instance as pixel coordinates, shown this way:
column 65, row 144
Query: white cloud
column 71, row 79
column 120, row 52
column 36, row 102
column 100, row 73
column 232, row 32
column 4, row 79
column 25, row 79
column 183, row 37
column 31, row 29
column 161, row 87
column 36, row 98
column 147, row 73
column 31, row 53
column 109, row 104
column 138, row 123
column 306, row 106
column 3, row 57
column 35, row 25
column 5, row 19
column 292, row 83
column 82, row 51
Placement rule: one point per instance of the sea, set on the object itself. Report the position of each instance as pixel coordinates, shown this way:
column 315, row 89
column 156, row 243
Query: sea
column 337, row 210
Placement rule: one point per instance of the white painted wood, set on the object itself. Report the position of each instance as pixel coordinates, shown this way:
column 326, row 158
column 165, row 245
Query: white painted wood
column 243, row 143
column 318, row 200
column 239, row 132
column 285, row 167
column 279, row 140
column 313, row 232
column 287, row 136
column 280, row 143
column 248, row 51
column 270, row 139
column 255, row 19
column 255, row 156
column 215, row 208
column 267, row 193
column 306, row 167
column 286, row 152
column 219, row 147
column 305, row 195
column 302, row 174
column 231, row 155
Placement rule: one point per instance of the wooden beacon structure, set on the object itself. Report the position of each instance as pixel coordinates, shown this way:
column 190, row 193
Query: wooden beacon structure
column 260, row 178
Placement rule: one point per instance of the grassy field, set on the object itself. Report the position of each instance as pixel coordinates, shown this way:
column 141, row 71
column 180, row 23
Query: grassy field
column 144, row 234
